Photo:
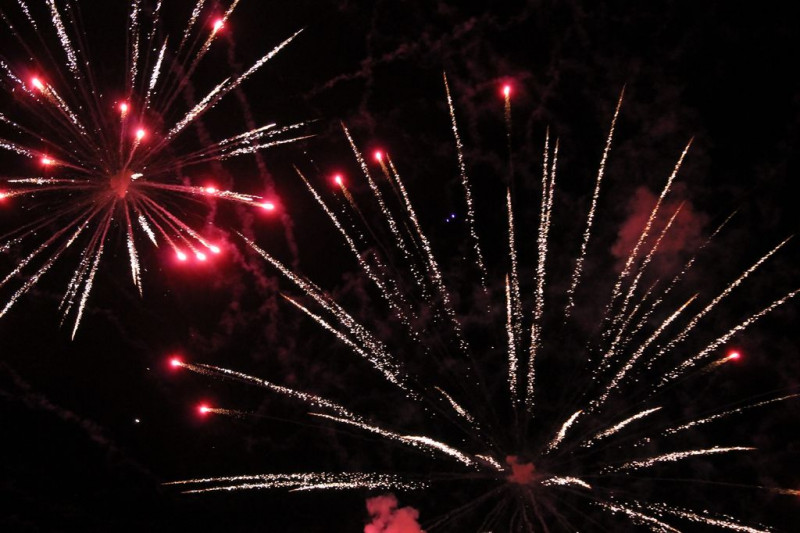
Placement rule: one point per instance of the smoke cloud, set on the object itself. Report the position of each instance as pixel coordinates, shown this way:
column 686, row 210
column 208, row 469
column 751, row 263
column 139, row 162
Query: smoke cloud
column 387, row 518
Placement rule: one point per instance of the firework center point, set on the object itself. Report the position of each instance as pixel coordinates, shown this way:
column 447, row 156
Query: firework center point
column 522, row 473
column 121, row 181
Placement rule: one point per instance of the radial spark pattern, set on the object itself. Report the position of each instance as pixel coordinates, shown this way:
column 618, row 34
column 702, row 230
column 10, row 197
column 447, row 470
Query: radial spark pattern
column 549, row 424
column 100, row 157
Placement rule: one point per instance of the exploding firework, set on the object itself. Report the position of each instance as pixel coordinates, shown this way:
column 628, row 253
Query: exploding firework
column 532, row 420
column 104, row 158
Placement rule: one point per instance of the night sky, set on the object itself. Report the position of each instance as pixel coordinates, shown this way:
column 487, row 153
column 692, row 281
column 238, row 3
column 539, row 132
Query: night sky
column 92, row 427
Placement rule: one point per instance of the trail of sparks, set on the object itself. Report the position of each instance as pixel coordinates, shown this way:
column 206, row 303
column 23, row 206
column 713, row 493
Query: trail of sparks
column 311, row 481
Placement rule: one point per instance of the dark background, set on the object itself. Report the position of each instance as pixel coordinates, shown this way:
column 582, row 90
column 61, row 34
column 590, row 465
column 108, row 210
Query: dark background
column 74, row 456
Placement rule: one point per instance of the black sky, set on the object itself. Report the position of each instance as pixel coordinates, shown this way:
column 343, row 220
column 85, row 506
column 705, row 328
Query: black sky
column 92, row 427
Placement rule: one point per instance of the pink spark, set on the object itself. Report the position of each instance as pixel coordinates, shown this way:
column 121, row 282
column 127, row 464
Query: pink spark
column 734, row 355
column 3, row 195
column 123, row 108
column 181, row 256
column 200, row 256
column 218, row 24
column 211, row 190
column 506, row 90
column 140, row 133
column 36, row 82
column 175, row 362
column 214, row 249
column 378, row 156
column 46, row 161
column 203, row 409
column 268, row 206
column 338, row 180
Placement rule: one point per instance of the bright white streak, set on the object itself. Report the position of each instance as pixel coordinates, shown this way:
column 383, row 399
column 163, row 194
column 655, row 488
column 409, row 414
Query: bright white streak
column 646, row 231
column 563, row 431
column 155, row 74
column 674, row 456
column 637, row 516
column 72, row 60
column 310, row 399
column 724, row 522
column 379, row 357
column 222, row 89
column 462, row 170
column 417, row 441
column 612, row 430
column 693, row 322
column 567, row 481
column 635, row 357
column 463, row 413
column 695, row 423
column 576, row 274
column 513, row 362
column 686, row 365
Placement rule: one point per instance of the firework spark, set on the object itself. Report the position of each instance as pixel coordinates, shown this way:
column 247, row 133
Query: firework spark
column 545, row 467
column 106, row 164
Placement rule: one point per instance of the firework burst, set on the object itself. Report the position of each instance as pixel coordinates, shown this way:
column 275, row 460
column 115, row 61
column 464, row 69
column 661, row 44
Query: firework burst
column 102, row 159
column 536, row 423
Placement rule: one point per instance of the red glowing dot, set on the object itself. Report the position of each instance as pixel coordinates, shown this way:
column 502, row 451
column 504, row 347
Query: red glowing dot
column 218, row 24
column 211, row 190
column 3, row 196
column 506, row 90
column 140, row 133
column 378, row 155
column 203, row 409
column 214, row 249
column 46, row 161
column 181, row 256
column 175, row 362
column 338, row 180
column 123, row 108
column 734, row 355
column 36, row 82
column 268, row 206
column 200, row 256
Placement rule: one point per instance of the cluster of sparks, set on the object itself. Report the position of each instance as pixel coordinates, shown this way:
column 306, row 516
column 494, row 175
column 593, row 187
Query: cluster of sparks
column 106, row 159
column 117, row 161
column 538, row 456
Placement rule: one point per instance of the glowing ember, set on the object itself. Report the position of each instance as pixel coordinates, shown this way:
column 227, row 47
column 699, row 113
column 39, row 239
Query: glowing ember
column 36, row 82
column 140, row 133
column 338, row 180
column 218, row 24
column 214, row 249
column 378, row 156
column 268, row 206
column 506, row 90
column 181, row 256
column 123, row 108
column 203, row 409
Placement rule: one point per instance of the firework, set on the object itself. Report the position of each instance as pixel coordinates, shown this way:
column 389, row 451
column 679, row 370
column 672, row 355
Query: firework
column 102, row 158
column 567, row 453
